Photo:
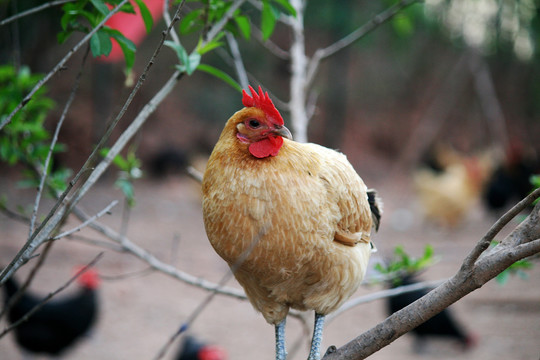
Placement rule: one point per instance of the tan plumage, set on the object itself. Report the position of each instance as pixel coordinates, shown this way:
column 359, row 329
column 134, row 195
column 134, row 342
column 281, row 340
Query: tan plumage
column 308, row 212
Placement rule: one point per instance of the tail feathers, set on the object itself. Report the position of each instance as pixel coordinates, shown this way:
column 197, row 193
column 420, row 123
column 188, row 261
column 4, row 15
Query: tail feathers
column 376, row 206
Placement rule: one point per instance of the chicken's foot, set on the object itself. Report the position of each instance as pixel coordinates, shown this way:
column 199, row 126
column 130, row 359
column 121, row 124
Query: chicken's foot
column 281, row 351
column 315, row 352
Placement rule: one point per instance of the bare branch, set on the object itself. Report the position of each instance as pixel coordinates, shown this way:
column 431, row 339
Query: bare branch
column 269, row 44
column 168, row 21
column 33, row 11
column 106, row 210
column 238, row 63
column 485, row 90
column 382, row 295
column 195, row 174
column 216, row 29
column 64, row 205
column 16, row 297
column 60, row 65
column 45, row 167
column 356, row 35
column 133, row 249
column 298, row 86
column 521, row 243
column 483, row 244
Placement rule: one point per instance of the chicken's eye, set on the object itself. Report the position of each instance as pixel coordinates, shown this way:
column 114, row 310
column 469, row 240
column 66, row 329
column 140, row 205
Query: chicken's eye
column 254, row 124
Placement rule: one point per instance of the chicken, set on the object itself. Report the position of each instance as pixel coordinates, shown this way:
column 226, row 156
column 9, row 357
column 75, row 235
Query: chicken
column 193, row 349
column 442, row 325
column 451, row 185
column 292, row 220
column 59, row 323
column 510, row 181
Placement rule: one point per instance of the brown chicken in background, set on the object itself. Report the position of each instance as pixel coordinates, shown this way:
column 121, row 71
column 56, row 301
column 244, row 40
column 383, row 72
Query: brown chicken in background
column 292, row 220
column 450, row 184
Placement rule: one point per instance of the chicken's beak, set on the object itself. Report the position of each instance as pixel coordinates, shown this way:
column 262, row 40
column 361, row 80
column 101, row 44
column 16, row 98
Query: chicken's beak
column 282, row 131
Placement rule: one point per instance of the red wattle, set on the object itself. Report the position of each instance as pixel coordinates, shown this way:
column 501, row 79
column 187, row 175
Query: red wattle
column 267, row 147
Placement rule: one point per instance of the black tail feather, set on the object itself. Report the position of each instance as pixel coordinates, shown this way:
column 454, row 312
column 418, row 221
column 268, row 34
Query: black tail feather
column 376, row 206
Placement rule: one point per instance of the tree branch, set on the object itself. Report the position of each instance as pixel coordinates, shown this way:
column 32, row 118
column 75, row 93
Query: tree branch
column 87, row 222
column 524, row 241
column 33, row 11
column 237, row 58
column 356, row 35
column 64, row 205
column 45, row 167
column 128, row 246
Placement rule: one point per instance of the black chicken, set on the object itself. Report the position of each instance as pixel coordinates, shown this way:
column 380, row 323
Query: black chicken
column 510, row 182
column 442, row 325
column 193, row 349
column 59, row 323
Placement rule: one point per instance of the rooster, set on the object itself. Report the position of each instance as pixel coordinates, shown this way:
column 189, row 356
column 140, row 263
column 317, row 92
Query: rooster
column 292, row 220
column 58, row 324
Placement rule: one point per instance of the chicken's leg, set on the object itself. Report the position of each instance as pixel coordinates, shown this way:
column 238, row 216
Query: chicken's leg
column 281, row 351
column 315, row 352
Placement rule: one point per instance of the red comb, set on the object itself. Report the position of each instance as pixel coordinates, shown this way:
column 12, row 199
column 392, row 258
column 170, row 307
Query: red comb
column 89, row 279
column 263, row 102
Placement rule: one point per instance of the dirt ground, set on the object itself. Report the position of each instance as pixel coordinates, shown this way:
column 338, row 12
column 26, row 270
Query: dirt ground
column 139, row 313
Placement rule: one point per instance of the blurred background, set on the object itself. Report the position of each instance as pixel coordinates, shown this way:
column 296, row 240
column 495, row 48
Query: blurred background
column 437, row 108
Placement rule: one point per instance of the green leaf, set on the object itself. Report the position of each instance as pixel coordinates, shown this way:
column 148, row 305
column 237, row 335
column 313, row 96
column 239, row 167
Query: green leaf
column 100, row 6
column 127, row 188
column 220, row 75
column 211, row 45
column 100, row 43
column 177, row 48
column 146, row 15
column 268, row 20
column 403, row 25
column 290, row 9
column 243, row 25
column 192, row 62
column 188, row 63
column 127, row 46
column 535, row 181
column 190, row 22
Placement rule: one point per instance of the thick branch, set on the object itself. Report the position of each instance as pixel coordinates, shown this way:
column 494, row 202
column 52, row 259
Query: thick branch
column 523, row 242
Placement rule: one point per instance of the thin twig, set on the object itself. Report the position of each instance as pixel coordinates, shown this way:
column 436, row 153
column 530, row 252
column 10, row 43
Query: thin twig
column 61, row 209
column 356, row 35
column 33, row 11
column 16, row 297
column 195, row 174
column 382, row 295
column 144, row 255
column 14, row 215
column 483, row 244
column 60, row 65
column 270, row 45
column 238, row 63
column 50, row 296
column 45, row 167
column 217, row 27
column 168, row 21
column 106, row 210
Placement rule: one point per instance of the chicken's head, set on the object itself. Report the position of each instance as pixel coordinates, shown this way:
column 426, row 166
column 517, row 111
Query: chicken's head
column 88, row 278
column 260, row 125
